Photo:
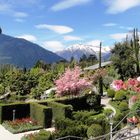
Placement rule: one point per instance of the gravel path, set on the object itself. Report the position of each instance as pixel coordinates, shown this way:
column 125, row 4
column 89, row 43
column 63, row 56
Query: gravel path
column 105, row 102
column 6, row 135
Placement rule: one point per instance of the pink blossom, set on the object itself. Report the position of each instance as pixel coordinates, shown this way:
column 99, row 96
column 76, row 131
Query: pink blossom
column 70, row 82
column 134, row 98
column 117, row 85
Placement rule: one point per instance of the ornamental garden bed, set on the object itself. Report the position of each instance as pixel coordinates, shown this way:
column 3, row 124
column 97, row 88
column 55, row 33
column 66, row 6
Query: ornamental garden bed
column 21, row 125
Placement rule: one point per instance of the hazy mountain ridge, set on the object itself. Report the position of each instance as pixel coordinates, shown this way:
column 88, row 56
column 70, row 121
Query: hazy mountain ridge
column 23, row 53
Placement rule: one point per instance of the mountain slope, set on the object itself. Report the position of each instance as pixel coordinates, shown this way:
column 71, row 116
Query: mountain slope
column 77, row 50
column 23, row 53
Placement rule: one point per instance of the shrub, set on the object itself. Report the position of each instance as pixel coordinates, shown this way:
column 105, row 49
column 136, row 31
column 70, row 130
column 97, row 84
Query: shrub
column 77, row 130
column 120, row 95
column 41, row 113
column 111, row 93
column 81, row 102
column 82, row 115
column 108, row 112
column 94, row 130
column 97, row 119
column 123, row 106
column 41, row 135
column 136, row 108
column 62, row 124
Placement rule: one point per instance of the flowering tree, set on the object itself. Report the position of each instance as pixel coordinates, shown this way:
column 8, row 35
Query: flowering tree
column 70, row 83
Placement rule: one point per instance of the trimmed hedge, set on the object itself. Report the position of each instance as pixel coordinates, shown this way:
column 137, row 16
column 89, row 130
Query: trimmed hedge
column 42, row 114
column 81, row 103
column 60, row 110
column 6, row 111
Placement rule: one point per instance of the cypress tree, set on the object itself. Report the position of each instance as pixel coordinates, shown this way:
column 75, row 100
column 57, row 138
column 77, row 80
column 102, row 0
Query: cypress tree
column 0, row 30
column 100, row 80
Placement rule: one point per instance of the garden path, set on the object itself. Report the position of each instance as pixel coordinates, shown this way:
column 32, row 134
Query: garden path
column 6, row 135
column 105, row 101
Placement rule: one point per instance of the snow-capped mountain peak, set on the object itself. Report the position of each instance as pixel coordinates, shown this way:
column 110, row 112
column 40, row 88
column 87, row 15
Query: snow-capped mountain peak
column 77, row 51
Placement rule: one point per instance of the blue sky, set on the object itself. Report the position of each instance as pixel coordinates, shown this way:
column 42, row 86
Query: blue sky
column 57, row 24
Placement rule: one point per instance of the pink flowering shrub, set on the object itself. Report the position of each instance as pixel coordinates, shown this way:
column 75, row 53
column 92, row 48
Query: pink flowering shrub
column 132, row 84
column 70, row 83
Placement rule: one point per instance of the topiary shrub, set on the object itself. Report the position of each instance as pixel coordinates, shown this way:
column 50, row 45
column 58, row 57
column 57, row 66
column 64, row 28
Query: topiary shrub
column 108, row 112
column 77, row 130
column 136, row 109
column 62, row 124
column 94, row 130
column 82, row 115
column 123, row 106
column 120, row 95
column 111, row 93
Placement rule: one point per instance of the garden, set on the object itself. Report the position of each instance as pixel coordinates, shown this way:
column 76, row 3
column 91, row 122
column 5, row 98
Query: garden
column 74, row 108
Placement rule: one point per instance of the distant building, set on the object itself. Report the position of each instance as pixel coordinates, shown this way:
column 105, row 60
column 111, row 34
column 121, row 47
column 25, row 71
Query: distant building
column 96, row 66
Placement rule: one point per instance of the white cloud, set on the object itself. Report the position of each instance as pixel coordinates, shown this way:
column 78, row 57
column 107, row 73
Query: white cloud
column 118, row 36
column 20, row 15
column 109, row 24
column 95, row 45
column 56, row 28
column 28, row 37
column 118, row 6
column 53, row 45
column 94, row 42
column 126, row 28
column 19, row 20
column 72, row 38
column 65, row 4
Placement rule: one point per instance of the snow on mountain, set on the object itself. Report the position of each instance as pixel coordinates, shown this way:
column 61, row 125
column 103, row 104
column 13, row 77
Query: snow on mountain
column 77, row 50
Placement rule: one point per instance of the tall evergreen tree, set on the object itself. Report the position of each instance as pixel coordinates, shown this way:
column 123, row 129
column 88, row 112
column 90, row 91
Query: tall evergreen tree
column 0, row 30
column 100, row 79
column 135, row 46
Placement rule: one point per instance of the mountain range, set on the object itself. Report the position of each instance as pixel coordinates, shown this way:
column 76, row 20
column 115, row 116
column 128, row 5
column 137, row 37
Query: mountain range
column 23, row 53
column 78, row 50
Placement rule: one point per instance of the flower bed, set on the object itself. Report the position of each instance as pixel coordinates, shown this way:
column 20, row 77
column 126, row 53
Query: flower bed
column 21, row 125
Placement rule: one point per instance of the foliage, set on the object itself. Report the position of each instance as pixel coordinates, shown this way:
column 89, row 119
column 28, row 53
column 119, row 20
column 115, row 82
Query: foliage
column 94, row 130
column 107, row 80
column 21, row 125
column 84, row 102
column 82, row 115
column 120, row 95
column 123, row 61
column 41, row 135
column 2, row 89
column 136, row 109
column 70, row 83
column 67, row 127
column 108, row 112
column 123, row 106
column 111, row 93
